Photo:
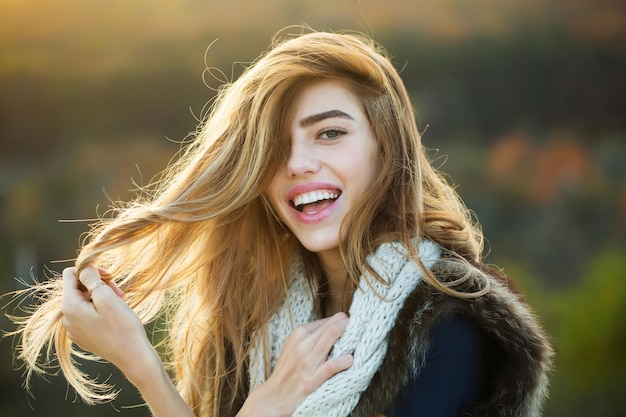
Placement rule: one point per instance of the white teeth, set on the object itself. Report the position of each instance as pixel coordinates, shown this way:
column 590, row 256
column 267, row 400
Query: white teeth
column 314, row 197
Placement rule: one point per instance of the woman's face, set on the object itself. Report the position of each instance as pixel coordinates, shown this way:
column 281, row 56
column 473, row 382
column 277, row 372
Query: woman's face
column 333, row 160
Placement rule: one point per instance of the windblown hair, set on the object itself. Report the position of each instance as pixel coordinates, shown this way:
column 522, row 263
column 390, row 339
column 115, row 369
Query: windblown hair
column 204, row 248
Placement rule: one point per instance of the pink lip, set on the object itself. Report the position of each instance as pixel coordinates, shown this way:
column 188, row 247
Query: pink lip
column 308, row 187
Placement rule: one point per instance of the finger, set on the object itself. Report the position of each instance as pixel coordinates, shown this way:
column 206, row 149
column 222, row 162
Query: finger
column 329, row 333
column 90, row 278
column 108, row 279
column 334, row 366
column 104, row 274
column 116, row 289
column 71, row 291
column 70, row 280
column 313, row 331
column 314, row 326
column 316, row 345
column 305, row 338
column 304, row 332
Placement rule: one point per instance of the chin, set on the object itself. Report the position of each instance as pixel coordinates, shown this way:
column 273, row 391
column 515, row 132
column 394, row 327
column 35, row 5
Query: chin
column 321, row 248
column 320, row 245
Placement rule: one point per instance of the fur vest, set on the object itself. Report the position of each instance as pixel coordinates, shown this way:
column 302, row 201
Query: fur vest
column 520, row 351
column 520, row 355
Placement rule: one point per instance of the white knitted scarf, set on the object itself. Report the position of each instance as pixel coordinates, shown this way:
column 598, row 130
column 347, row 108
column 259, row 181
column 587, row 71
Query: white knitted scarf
column 373, row 313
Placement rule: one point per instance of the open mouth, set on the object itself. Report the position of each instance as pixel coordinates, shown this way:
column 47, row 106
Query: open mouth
column 315, row 201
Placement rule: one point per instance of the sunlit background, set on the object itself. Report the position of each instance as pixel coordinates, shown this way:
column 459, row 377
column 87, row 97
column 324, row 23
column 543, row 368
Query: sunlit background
column 523, row 103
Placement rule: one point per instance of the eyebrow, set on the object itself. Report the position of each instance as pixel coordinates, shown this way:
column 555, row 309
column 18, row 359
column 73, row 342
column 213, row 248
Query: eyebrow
column 314, row 118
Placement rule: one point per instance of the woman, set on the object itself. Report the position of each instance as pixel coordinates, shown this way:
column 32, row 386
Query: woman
column 307, row 260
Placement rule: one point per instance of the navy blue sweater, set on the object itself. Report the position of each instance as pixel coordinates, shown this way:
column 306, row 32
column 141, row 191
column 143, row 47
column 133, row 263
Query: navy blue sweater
column 453, row 378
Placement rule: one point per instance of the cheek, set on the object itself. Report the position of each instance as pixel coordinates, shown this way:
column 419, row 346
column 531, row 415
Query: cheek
column 273, row 197
column 368, row 169
column 275, row 210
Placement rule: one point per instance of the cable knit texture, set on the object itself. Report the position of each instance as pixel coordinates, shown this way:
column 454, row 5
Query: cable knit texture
column 373, row 313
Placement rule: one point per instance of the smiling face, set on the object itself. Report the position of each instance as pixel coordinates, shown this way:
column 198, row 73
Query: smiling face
column 332, row 161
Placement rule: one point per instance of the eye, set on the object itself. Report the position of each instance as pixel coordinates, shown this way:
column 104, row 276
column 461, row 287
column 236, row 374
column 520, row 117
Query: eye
column 332, row 133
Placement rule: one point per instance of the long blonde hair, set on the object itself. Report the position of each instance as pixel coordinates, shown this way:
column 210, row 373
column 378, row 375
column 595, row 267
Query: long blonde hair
column 204, row 248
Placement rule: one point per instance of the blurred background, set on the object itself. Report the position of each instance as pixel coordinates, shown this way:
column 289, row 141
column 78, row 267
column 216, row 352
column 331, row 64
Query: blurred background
column 524, row 102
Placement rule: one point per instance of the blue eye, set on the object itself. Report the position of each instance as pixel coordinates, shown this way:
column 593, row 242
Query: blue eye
column 333, row 133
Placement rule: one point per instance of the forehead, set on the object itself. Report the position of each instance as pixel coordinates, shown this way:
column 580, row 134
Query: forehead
column 325, row 96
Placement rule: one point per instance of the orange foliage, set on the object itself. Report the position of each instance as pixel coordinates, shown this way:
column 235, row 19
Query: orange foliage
column 558, row 166
column 562, row 166
column 508, row 156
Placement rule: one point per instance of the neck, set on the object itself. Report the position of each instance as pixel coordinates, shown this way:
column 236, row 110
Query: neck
column 336, row 285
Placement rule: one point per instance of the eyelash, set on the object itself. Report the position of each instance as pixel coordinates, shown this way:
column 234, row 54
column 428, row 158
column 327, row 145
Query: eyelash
column 336, row 131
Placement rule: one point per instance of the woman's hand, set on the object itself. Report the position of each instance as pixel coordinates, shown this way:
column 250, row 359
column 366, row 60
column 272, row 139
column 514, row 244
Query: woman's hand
column 302, row 367
column 99, row 321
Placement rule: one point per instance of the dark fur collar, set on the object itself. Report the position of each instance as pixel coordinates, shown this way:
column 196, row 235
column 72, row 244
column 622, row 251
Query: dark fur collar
column 522, row 352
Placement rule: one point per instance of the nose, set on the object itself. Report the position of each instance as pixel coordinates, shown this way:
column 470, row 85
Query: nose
column 302, row 160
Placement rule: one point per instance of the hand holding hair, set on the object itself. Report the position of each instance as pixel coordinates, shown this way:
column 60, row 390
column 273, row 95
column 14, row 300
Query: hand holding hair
column 99, row 321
